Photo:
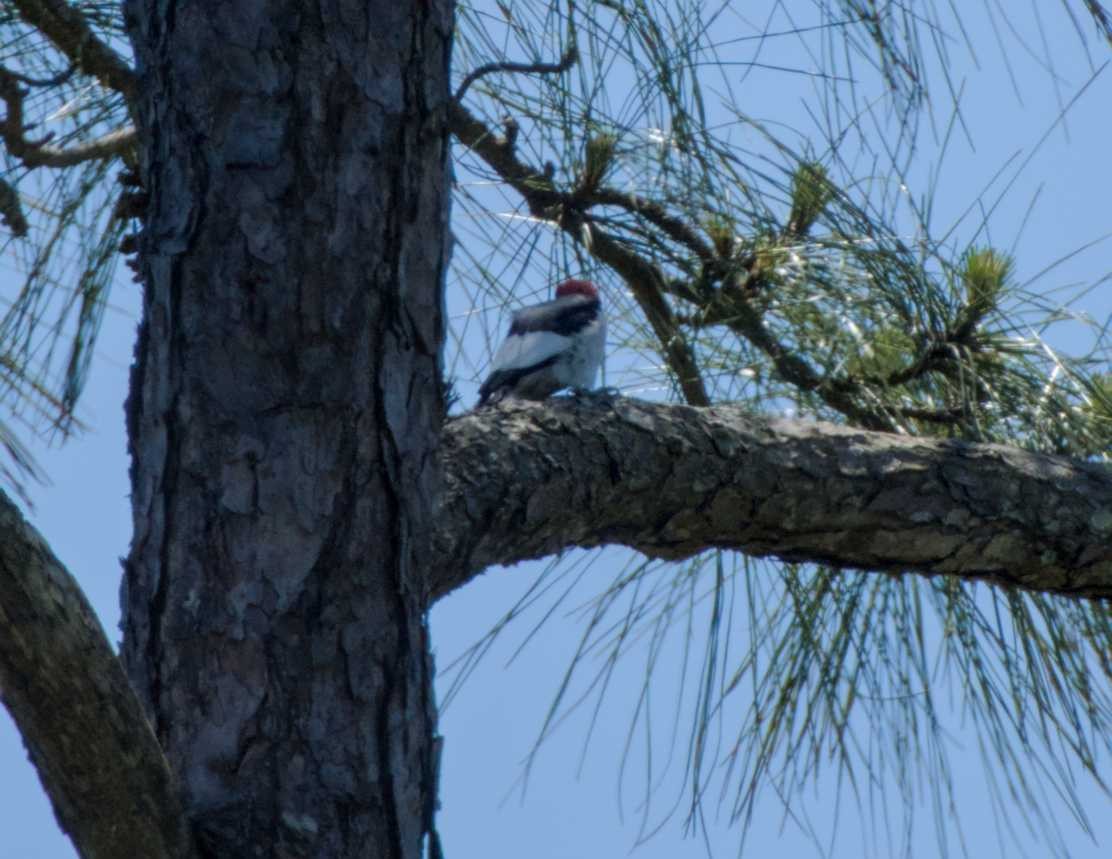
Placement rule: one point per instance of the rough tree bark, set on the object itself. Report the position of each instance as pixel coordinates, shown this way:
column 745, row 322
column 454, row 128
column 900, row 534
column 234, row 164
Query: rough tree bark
column 286, row 396
column 84, row 729
column 526, row 480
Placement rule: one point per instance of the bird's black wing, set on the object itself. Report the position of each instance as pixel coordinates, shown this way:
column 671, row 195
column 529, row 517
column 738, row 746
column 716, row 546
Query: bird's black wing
column 563, row 316
column 500, row 381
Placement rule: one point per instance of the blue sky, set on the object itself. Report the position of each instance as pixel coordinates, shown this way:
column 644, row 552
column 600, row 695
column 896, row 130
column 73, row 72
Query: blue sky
column 575, row 805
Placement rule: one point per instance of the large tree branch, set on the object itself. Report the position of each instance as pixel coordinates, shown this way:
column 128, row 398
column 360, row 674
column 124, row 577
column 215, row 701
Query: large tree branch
column 526, row 480
column 85, row 732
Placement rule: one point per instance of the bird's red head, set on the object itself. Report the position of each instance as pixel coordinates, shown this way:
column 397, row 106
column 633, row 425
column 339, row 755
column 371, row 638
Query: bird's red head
column 577, row 287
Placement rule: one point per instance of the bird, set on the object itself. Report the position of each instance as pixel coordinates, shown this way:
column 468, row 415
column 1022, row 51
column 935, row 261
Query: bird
column 553, row 345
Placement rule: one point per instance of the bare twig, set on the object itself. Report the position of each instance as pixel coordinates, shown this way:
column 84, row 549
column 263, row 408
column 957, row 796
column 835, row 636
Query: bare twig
column 67, row 28
column 571, row 55
column 56, row 80
column 41, row 153
column 114, row 143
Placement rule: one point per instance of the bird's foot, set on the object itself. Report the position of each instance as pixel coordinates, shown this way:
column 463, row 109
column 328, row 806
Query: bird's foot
column 603, row 394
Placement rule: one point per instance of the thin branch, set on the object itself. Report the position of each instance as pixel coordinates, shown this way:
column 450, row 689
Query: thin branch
column 114, row 144
column 656, row 215
column 571, row 56
column 70, row 32
column 41, row 153
column 56, row 80
column 743, row 318
column 646, row 283
column 526, row 480
column 85, row 732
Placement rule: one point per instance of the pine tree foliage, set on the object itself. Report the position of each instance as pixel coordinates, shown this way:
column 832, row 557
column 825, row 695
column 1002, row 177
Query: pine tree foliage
column 795, row 268
column 798, row 270
column 65, row 139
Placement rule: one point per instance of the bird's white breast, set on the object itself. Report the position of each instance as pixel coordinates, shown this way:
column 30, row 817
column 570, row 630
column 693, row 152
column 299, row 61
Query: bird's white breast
column 581, row 364
column 527, row 350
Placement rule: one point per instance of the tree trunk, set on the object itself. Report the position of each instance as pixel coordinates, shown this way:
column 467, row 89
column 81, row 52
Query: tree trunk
column 285, row 401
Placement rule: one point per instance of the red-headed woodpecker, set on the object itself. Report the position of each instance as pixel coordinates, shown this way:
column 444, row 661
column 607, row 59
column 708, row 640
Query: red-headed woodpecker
column 557, row 344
